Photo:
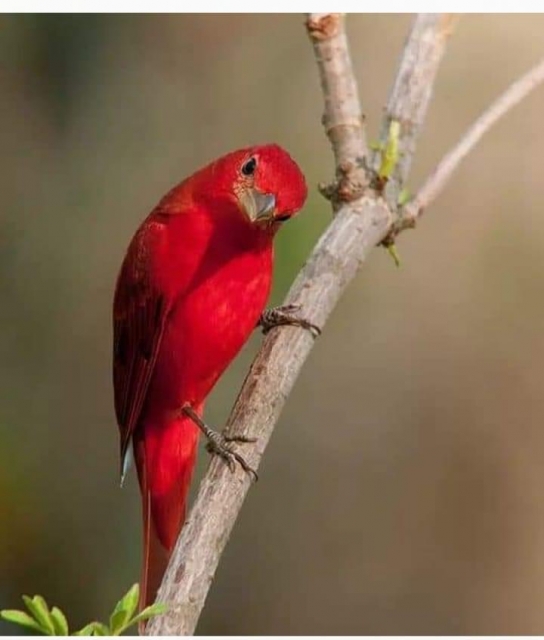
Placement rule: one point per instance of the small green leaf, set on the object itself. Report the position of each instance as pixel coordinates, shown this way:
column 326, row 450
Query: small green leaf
column 87, row 630
column 129, row 601
column 59, row 622
column 20, row 617
column 390, row 154
column 124, row 610
column 101, row 629
column 39, row 609
column 118, row 622
column 404, row 196
column 150, row 612
column 93, row 629
column 392, row 250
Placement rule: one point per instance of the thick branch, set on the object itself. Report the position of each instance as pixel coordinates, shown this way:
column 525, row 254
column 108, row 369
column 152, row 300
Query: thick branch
column 449, row 163
column 356, row 229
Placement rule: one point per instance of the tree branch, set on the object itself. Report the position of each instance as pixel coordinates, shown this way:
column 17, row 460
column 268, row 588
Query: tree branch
column 449, row 163
column 412, row 91
column 358, row 226
column 343, row 119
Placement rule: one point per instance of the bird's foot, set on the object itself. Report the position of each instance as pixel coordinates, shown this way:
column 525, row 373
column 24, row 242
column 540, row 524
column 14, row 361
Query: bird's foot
column 286, row 315
column 221, row 445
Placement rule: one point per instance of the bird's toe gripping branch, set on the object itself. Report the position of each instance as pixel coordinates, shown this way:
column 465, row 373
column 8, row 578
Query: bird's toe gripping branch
column 286, row 315
column 221, row 445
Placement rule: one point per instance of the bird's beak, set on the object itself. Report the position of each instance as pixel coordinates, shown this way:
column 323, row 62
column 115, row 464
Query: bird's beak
column 259, row 207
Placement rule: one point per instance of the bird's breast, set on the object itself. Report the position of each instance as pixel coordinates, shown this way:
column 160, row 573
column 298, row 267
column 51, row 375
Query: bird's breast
column 209, row 325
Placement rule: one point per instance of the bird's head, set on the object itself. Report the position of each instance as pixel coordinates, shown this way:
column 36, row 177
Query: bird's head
column 264, row 181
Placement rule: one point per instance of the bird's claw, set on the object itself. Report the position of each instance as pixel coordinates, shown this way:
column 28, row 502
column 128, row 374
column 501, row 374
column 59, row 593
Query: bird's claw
column 285, row 315
column 221, row 445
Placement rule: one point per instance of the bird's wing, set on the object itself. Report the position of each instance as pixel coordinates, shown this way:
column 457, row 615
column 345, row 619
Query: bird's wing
column 139, row 318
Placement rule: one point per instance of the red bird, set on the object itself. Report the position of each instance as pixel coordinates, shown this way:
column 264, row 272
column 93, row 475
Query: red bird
column 192, row 287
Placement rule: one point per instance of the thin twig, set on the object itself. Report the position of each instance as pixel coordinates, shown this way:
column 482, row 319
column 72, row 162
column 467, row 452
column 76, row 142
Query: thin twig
column 343, row 119
column 412, row 90
column 357, row 227
column 449, row 163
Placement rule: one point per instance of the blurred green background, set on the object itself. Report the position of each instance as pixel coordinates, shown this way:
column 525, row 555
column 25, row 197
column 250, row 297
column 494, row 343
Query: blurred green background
column 402, row 490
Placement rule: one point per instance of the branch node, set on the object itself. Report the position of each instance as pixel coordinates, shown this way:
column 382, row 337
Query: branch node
column 327, row 190
column 405, row 220
column 350, row 184
column 322, row 26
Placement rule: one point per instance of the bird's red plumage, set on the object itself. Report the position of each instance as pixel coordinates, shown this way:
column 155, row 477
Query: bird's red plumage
column 193, row 284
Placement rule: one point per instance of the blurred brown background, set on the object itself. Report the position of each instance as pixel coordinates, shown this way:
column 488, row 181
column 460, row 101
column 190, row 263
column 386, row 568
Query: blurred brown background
column 402, row 491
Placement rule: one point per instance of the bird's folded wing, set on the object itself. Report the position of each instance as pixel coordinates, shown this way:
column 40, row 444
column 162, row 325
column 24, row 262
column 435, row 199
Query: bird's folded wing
column 139, row 315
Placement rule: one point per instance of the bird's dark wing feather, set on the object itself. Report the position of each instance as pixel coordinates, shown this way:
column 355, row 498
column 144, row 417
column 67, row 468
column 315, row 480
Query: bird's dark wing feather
column 139, row 315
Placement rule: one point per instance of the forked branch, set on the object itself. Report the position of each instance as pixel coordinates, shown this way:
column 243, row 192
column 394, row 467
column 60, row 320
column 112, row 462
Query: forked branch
column 442, row 174
column 363, row 219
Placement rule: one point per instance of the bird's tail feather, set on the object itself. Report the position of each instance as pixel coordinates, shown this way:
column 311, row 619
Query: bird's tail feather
column 155, row 560
column 165, row 459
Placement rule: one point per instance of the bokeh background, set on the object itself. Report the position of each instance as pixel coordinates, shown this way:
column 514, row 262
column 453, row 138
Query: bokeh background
column 402, row 490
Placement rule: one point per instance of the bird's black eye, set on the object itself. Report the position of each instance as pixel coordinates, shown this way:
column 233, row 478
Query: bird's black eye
column 248, row 168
